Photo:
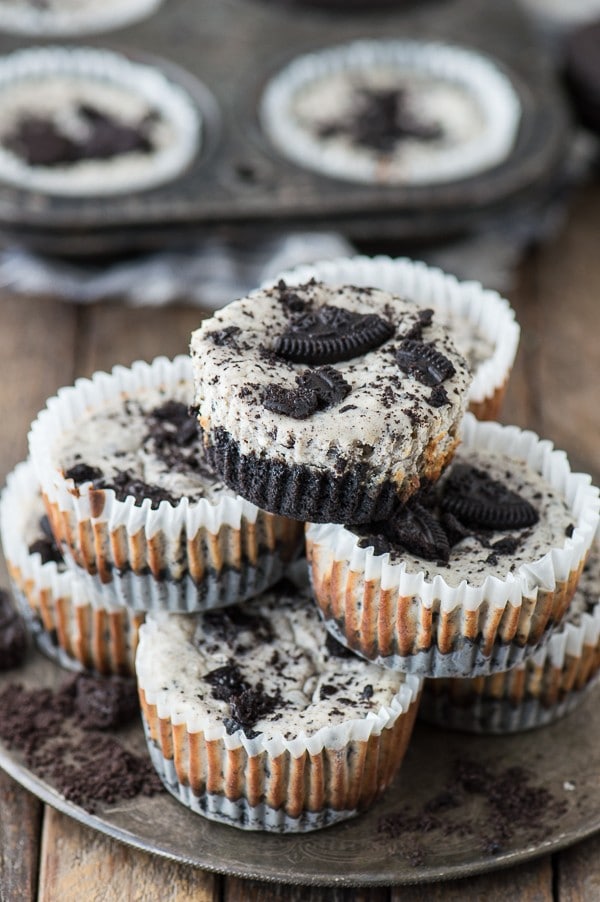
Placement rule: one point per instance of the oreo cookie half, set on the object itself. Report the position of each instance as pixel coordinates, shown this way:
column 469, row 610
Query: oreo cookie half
column 477, row 500
column 421, row 360
column 332, row 334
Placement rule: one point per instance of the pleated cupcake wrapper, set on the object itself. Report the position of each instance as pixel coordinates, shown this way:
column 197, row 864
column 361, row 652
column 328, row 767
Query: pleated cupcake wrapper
column 103, row 66
column 401, row 620
column 552, row 683
column 35, row 21
column 275, row 784
column 486, row 311
column 187, row 557
column 490, row 714
column 69, row 622
column 490, row 88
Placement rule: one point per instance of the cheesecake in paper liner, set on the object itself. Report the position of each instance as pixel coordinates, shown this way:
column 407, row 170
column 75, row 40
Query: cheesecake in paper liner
column 255, row 718
column 442, row 620
column 68, row 621
column 482, row 323
column 83, row 121
column 189, row 546
column 548, row 686
column 392, row 112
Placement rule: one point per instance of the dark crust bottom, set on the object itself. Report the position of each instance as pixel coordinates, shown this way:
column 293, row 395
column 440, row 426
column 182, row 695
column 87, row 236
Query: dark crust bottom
column 299, row 491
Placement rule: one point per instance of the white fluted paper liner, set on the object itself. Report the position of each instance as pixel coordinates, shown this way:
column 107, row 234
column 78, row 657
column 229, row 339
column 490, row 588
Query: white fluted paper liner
column 70, row 623
column 71, row 17
column 184, row 557
column 268, row 784
column 487, row 313
column 400, row 619
column 35, row 68
column 484, row 714
column 549, row 685
column 495, row 125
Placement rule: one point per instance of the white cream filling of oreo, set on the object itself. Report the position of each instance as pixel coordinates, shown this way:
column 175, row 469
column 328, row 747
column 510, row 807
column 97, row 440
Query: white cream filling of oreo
column 230, row 381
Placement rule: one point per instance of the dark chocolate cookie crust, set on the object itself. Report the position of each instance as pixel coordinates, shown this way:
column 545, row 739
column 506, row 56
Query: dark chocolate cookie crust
column 299, row 491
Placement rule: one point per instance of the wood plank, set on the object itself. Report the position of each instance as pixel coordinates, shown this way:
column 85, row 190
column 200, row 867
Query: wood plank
column 254, row 891
column 77, row 863
column 522, row 402
column 559, row 366
column 578, row 872
column 20, row 826
column 37, row 338
column 113, row 333
column 527, row 883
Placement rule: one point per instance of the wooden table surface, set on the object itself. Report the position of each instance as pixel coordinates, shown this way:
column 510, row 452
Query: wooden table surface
column 554, row 390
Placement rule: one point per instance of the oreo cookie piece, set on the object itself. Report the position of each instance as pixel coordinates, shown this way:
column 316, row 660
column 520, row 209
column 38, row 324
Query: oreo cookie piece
column 379, row 120
column 422, row 361
column 417, row 529
column 125, row 483
column 83, row 472
column 317, row 390
column 13, row 635
column 332, row 334
column 39, row 140
column 103, row 704
column 477, row 500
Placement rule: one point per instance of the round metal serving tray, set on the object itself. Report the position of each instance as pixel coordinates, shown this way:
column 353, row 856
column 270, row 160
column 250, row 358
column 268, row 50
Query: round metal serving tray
column 564, row 759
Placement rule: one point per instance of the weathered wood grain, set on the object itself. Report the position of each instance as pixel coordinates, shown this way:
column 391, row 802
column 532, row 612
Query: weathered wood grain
column 78, row 864
column 20, row 824
column 558, row 376
column 578, row 872
column 37, row 338
column 255, row 891
column 527, row 883
column 112, row 333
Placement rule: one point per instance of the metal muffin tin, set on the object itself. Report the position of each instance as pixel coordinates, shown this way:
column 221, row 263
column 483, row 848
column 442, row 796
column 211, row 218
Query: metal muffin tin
column 223, row 54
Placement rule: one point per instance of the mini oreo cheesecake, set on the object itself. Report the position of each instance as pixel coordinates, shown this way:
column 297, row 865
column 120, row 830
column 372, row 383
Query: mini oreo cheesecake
column 471, row 577
column 329, row 404
column 133, row 505
column 69, row 622
column 255, row 717
column 482, row 324
column 82, row 121
column 392, row 112
column 545, row 688
column 13, row 635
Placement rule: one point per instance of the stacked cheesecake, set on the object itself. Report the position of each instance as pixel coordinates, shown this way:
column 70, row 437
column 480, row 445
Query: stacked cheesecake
column 335, row 397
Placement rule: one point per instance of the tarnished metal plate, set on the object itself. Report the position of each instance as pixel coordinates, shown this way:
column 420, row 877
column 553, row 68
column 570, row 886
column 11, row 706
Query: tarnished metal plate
column 563, row 759
column 239, row 181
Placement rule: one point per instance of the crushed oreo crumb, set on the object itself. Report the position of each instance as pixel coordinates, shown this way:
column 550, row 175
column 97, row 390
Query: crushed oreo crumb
column 40, row 141
column 13, row 634
column 86, row 767
column 513, row 806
